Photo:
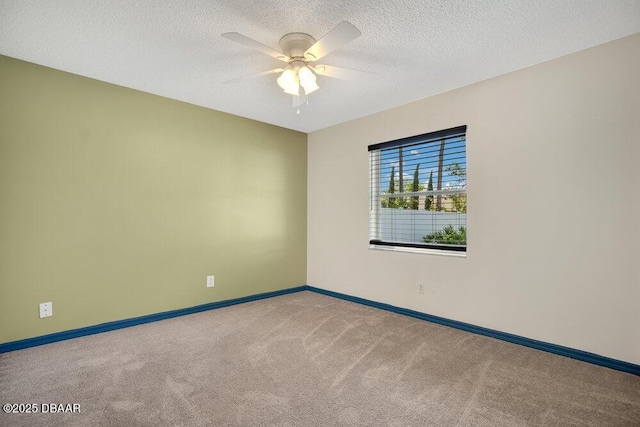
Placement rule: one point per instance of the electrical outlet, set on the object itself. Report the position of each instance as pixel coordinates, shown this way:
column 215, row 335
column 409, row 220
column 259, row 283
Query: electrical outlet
column 421, row 289
column 210, row 281
column 46, row 309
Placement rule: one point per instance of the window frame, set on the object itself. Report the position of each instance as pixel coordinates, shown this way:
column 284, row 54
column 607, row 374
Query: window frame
column 375, row 193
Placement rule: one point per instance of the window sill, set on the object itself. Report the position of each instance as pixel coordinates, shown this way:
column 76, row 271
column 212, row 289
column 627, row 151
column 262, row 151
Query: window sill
column 456, row 254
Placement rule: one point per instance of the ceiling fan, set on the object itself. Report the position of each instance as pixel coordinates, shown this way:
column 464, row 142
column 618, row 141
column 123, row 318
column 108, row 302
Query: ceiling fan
column 299, row 50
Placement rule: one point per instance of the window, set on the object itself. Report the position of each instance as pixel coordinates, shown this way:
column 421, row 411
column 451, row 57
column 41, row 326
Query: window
column 418, row 192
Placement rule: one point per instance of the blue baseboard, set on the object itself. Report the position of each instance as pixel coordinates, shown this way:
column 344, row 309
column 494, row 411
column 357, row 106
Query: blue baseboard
column 516, row 339
column 119, row 324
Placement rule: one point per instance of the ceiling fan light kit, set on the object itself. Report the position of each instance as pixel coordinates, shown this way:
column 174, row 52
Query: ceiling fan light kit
column 298, row 50
column 294, row 77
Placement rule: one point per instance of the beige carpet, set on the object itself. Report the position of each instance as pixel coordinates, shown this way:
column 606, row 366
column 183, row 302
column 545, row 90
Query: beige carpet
column 306, row 359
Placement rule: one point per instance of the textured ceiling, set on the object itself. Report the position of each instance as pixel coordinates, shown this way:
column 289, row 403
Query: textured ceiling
column 417, row 48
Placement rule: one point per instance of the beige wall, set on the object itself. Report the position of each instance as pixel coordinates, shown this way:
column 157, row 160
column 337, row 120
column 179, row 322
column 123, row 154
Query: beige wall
column 115, row 203
column 553, row 203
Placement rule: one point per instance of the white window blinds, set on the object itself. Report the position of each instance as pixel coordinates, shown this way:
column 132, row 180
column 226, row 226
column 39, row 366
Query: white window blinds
column 418, row 191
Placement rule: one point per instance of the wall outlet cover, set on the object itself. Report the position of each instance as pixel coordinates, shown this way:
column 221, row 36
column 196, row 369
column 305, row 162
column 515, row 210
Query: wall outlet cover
column 46, row 309
column 210, row 281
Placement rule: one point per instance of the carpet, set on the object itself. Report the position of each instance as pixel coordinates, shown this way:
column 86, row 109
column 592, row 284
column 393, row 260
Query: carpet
column 306, row 359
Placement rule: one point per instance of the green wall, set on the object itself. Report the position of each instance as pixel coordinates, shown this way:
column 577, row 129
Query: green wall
column 116, row 203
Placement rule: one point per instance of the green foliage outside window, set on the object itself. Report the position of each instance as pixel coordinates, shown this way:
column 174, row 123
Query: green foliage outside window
column 448, row 235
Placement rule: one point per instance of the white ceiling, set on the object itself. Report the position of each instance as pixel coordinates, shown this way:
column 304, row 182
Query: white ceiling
column 417, row 48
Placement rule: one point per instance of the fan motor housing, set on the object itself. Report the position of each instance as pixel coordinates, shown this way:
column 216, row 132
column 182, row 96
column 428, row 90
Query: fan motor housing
column 294, row 45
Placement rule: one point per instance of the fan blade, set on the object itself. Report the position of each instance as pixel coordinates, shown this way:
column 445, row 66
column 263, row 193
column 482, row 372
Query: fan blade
column 342, row 73
column 342, row 34
column 264, row 73
column 246, row 41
